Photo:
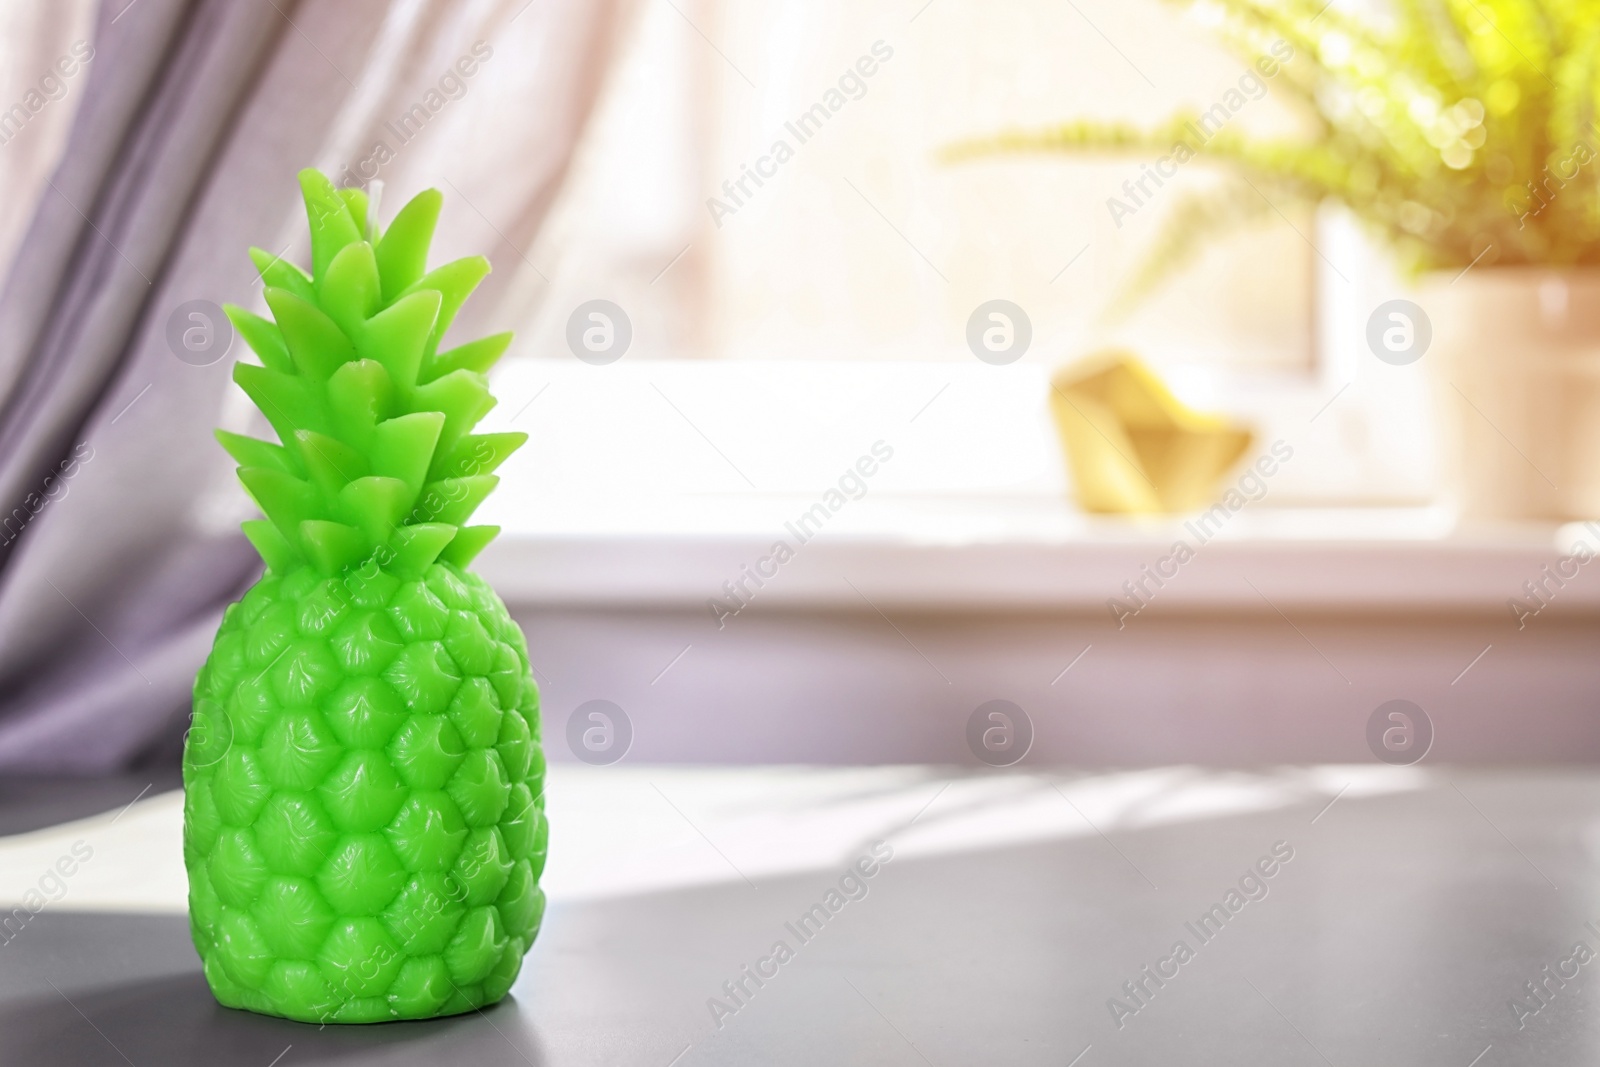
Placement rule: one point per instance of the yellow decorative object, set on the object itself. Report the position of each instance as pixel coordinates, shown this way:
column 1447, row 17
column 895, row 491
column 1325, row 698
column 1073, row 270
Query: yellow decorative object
column 1133, row 447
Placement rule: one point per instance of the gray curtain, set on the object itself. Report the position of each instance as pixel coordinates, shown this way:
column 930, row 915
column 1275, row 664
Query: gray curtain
column 120, row 542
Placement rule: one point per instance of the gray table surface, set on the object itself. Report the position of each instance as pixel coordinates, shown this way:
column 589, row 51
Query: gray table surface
column 1398, row 934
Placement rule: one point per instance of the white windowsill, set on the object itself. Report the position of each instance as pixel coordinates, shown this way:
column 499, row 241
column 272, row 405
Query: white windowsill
column 654, row 483
column 950, row 554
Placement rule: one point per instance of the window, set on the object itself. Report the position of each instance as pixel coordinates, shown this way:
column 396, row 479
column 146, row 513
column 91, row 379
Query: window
column 762, row 185
column 861, row 243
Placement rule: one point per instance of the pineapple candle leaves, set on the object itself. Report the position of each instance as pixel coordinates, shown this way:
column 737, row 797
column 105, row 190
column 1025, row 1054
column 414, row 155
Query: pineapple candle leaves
column 378, row 461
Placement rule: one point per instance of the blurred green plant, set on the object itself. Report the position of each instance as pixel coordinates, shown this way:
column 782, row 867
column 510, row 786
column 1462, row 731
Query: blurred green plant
column 1460, row 131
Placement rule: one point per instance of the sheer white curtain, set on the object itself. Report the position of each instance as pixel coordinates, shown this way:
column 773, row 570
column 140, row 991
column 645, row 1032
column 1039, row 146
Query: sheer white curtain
column 193, row 120
column 43, row 70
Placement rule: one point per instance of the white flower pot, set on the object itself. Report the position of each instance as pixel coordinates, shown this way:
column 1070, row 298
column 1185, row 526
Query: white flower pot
column 1515, row 356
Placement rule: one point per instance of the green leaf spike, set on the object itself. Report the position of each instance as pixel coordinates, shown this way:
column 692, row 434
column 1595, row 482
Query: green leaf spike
column 364, row 820
column 368, row 303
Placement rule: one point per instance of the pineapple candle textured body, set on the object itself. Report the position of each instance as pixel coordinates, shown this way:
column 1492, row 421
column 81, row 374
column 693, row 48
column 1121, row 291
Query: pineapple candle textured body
column 364, row 822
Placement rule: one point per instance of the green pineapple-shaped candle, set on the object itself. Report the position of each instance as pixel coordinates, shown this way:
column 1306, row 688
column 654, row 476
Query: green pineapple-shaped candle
column 364, row 815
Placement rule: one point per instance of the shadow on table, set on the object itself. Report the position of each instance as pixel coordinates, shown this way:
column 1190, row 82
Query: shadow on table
column 175, row 1021
column 33, row 803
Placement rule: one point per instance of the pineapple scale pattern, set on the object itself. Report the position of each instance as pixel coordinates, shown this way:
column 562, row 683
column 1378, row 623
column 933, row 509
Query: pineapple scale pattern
column 364, row 823
column 364, row 819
